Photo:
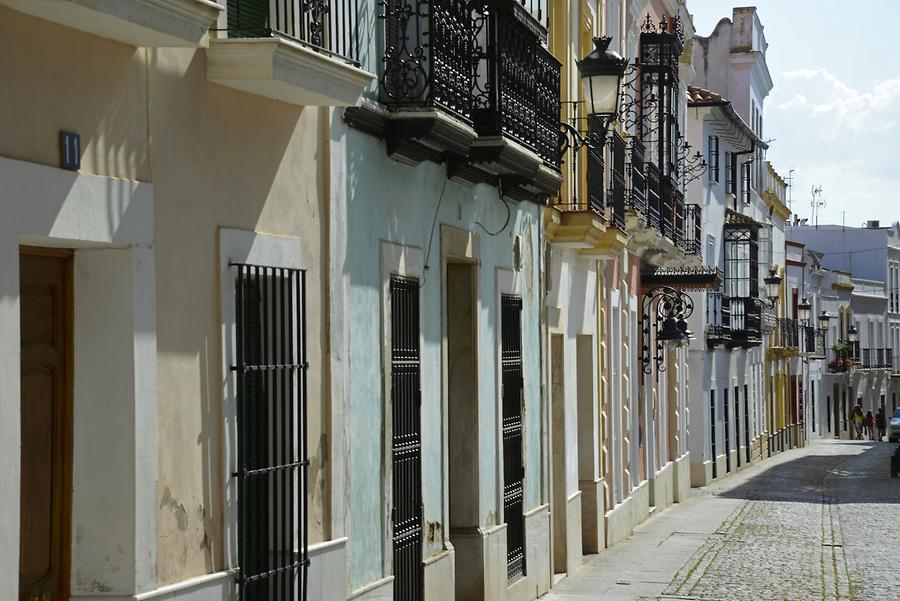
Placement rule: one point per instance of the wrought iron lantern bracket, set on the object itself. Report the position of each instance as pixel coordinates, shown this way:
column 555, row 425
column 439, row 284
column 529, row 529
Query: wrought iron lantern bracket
column 658, row 305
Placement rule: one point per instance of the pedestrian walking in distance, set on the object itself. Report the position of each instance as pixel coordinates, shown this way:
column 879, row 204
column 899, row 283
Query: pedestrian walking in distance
column 870, row 425
column 859, row 420
column 880, row 423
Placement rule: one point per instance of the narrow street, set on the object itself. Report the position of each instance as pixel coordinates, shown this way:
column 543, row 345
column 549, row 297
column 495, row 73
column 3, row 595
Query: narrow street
column 814, row 523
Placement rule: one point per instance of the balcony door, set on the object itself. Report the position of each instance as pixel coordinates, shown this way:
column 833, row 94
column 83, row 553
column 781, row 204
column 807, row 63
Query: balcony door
column 46, row 421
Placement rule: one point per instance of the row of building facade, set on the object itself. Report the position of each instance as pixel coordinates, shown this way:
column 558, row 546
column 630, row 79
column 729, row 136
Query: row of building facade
column 308, row 300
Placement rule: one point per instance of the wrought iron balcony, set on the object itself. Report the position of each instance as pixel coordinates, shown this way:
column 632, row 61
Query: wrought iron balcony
column 787, row 333
column 304, row 52
column 840, row 359
column 326, row 26
column 516, row 83
column 428, row 55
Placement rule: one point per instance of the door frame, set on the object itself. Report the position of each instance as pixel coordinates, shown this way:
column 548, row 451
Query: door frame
column 68, row 412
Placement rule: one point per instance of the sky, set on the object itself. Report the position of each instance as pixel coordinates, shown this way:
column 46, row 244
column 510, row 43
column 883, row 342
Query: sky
column 834, row 112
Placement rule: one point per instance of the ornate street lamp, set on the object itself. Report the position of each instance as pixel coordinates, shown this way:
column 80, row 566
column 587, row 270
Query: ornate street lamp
column 852, row 334
column 804, row 310
column 601, row 73
column 664, row 310
column 823, row 320
column 773, row 284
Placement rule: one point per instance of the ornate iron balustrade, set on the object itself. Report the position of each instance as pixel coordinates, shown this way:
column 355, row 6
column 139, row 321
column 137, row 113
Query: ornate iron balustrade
column 667, row 208
column 428, row 58
column 327, row 26
column 515, row 88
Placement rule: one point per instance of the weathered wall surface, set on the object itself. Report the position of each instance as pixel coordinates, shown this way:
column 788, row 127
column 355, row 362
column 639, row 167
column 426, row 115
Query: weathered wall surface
column 216, row 158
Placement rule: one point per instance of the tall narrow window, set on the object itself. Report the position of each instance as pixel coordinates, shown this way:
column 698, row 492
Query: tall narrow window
column 737, row 424
column 406, row 439
column 713, row 159
column 730, row 177
column 727, row 431
column 513, row 460
column 745, row 181
column 272, row 439
column 712, row 431
column 747, row 422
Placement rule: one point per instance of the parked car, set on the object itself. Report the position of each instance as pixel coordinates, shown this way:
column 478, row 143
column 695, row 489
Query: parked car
column 893, row 426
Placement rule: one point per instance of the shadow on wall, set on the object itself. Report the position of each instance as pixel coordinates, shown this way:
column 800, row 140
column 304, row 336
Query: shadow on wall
column 219, row 157
column 861, row 477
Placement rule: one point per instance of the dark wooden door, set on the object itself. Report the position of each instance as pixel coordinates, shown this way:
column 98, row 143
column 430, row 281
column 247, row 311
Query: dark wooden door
column 45, row 297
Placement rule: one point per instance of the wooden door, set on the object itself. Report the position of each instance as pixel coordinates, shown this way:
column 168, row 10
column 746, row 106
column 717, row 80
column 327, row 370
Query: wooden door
column 46, row 326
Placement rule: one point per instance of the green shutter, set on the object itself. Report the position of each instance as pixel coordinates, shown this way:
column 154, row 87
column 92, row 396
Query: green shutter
column 248, row 18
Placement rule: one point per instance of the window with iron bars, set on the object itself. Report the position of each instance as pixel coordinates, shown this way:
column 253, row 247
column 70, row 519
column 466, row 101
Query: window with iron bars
column 745, row 181
column 273, row 464
column 730, row 168
column 513, row 458
column 713, row 159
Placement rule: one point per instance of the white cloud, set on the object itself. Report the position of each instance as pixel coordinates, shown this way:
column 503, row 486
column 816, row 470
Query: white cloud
column 837, row 107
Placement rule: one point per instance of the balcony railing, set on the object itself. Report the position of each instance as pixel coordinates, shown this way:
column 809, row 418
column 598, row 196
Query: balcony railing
column 326, row 26
column 745, row 321
column 619, row 150
column 428, row 55
column 876, row 358
column 717, row 319
column 787, row 333
column 840, row 360
column 516, row 83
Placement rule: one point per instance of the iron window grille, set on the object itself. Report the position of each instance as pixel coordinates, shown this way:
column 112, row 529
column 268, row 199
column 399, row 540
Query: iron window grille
column 513, row 457
column 326, row 26
column 737, row 424
column 272, row 471
column 747, row 441
column 713, row 159
column 712, row 431
column 746, row 185
column 727, row 430
column 730, row 177
column 516, row 81
column 406, row 439
column 742, row 283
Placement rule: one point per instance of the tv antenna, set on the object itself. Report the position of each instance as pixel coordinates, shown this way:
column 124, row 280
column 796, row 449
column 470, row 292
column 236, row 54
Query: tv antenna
column 817, row 202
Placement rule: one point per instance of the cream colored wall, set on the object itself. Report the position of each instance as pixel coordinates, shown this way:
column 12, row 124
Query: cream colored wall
column 216, row 157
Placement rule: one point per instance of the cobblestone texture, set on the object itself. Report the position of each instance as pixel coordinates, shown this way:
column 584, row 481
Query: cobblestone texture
column 817, row 527
column 821, row 523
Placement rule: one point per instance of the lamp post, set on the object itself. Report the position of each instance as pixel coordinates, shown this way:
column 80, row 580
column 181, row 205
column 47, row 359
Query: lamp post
column 804, row 310
column 601, row 72
column 773, row 285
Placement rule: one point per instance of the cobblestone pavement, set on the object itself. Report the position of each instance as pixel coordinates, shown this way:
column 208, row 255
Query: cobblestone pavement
column 820, row 523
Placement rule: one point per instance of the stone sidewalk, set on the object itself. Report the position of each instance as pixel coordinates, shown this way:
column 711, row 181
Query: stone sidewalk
column 802, row 525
